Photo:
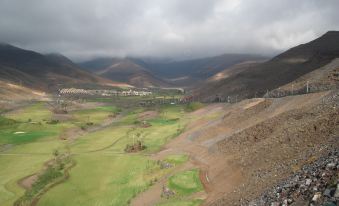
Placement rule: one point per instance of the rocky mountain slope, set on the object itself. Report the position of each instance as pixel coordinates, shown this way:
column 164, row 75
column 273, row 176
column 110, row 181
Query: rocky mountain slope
column 280, row 70
column 324, row 78
column 246, row 148
column 43, row 72
column 194, row 71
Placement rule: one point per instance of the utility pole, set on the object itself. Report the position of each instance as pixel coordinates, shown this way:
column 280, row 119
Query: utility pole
column 307, row 88
column 268, row 94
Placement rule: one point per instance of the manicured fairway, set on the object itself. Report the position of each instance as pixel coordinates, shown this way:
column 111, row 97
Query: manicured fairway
column 13, row 168
column 95, row 115
column 26, row 144
column 103, row 180
column 104, row 173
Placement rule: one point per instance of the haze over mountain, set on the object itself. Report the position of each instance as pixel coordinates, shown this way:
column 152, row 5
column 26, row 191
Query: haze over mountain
column 193, row 71
column 145, row 72
column 257, row 79
column 124, row 70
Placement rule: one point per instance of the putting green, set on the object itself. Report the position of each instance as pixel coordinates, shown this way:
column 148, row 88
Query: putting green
column 185, row 183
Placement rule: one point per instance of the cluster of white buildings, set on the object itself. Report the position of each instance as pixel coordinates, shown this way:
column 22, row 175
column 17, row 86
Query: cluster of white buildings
column 75, row 91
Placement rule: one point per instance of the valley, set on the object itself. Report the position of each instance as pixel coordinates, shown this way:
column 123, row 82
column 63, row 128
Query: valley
column 251, row 122
column 190, row 154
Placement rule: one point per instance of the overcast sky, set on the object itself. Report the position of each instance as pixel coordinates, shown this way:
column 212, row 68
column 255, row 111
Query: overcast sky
column 83, row 29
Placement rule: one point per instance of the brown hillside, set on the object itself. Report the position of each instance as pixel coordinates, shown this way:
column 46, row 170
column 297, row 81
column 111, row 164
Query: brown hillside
column 281, row 70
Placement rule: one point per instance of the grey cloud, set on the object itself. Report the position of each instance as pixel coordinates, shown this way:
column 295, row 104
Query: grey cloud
column 172, row 28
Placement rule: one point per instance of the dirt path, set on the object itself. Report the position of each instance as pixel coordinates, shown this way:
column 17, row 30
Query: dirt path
column 153, row 195
column 147, row 115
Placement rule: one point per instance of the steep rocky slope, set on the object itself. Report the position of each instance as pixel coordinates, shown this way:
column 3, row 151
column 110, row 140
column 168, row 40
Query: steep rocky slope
column 245, row 148
column 324, row 78
column 277, row 72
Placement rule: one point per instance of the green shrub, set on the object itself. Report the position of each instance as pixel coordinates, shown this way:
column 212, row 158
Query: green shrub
column 47, row 177
column 6, row 122
column 193, row 106
column 53, row 121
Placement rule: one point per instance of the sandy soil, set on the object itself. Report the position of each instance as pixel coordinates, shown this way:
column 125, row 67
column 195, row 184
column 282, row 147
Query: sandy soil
column 27, row 182
column 147, row 115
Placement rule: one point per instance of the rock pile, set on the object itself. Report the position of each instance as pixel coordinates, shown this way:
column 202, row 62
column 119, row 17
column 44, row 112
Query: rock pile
column 316, row 184
column 167, row 192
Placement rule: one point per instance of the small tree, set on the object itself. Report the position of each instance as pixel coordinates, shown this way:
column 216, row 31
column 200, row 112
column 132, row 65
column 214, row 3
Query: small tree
column 56, row 153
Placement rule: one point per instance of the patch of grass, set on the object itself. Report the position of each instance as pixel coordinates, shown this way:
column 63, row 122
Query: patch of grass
column 185, row 183
column 27, row 125
column 160, row 121
column 48, row 176
column 102, row 180
column 22, row 138
column 53, row 174
column 152, row 137
column 95, row 115
column 176, row 159
column 109, row 109
column 6, row 122
column 35, row 113
column 100, row 140
column 14, row 168
column 104, row 174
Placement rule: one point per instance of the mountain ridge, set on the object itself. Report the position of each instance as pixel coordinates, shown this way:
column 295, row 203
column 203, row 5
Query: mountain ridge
column 42, row 72
column 280, row 70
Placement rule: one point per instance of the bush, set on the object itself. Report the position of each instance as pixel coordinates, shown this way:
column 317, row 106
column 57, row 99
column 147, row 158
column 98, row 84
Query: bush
column 53, row 121
column 48, row 176
column 6, row 122
column 194, row 106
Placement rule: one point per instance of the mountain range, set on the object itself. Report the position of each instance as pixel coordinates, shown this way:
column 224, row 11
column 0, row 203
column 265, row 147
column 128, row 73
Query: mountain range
column 241, row 75
column 147, row 72
column 43, row 72
column 124, row 70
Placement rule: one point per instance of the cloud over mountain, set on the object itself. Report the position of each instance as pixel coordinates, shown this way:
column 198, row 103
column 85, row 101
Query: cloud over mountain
column 172, row 28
